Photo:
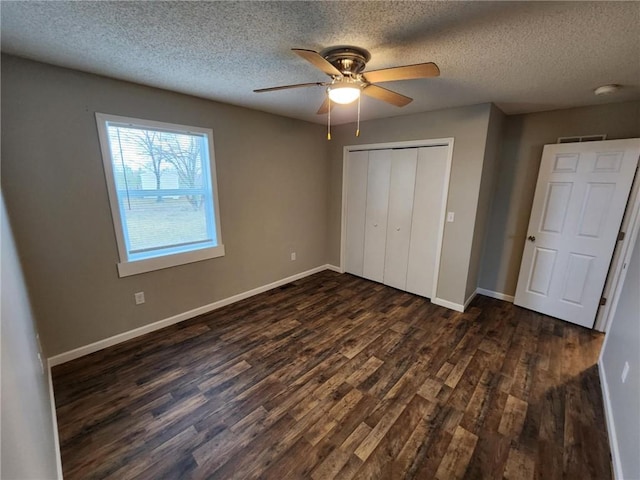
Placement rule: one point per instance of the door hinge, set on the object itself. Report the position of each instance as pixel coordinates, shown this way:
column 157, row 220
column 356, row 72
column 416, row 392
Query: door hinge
column 603, row 301
column 620, row 236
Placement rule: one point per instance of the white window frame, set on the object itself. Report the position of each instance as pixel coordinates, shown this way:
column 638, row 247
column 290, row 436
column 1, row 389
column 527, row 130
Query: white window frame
column 127, row 266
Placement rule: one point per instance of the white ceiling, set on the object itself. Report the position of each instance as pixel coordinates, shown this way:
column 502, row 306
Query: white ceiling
column 523, row 56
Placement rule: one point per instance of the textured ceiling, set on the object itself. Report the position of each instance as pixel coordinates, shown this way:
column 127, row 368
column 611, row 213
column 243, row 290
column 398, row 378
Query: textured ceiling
column 524, row 56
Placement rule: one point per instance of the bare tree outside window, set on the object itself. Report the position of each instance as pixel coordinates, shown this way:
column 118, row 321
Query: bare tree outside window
column 149, row 143
column 185, row 154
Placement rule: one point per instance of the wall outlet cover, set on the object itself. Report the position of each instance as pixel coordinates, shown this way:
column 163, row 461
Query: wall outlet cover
column 139, row 298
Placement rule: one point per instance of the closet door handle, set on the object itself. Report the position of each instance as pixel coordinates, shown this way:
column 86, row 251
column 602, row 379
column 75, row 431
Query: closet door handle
column 375, row 224
column 397, row 229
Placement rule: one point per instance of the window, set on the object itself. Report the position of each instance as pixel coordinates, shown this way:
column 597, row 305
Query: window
column 162, row 187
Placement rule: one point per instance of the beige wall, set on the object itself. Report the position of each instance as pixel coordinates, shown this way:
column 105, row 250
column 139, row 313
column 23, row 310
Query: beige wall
column 487, row 191
column 280, row 187
column 524, row 138
column 468, row 126
column 28, row 439
column 272, row 177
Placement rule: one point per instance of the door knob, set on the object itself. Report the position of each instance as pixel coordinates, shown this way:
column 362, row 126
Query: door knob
column 398, row 229
column 375, row 224
column 531, row 238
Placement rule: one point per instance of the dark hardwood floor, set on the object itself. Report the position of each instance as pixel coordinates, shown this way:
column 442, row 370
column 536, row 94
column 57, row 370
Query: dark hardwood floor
column 333, row 376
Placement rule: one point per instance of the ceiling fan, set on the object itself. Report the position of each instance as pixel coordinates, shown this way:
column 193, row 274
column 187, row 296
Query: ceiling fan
column 345, row 65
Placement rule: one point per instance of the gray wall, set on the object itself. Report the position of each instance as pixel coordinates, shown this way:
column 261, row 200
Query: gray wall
column 468, row 126
column 272, row 178
column 487, row 187
column 524, row 138
column 28, row 442
column 280, row 189
column 623, row 344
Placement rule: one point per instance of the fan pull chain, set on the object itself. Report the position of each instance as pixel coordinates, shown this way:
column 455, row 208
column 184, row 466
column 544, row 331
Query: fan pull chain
column 358, row 126
column 329, row 119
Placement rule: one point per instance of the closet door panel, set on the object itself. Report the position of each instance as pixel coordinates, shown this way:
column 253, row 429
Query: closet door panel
column 375, row 234
column 401, row 189
column 427, row 207
column 356, row 197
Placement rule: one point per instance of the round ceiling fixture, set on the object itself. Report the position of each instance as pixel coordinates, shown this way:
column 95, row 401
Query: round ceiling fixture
column 607, row 89
column 343, row 94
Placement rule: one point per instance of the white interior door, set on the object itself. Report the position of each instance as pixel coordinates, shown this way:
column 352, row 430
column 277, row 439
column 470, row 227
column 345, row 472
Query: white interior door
column 425, row 226
column 579, row 202
column 375, row 235
column 356, row 197
column 402, row 183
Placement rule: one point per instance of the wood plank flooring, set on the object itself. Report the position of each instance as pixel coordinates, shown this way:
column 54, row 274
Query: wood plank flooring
column 333, row 376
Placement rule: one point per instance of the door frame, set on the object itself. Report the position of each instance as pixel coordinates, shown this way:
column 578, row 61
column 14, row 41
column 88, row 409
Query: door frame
column 437, row 142
column 620, row 258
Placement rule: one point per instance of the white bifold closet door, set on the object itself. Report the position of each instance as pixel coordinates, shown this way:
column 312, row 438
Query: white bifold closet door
column 393, row 215
column 431, row 172
column 401, row 186
column 375, row 224
column 356, row 197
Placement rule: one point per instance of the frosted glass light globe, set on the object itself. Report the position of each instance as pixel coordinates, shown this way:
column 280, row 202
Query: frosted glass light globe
column 343, row 94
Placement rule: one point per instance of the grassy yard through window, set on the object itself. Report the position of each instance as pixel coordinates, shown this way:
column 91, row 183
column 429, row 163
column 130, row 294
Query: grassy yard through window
column 172, row 221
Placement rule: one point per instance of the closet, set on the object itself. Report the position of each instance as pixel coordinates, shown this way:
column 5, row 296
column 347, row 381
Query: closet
column 393, row 215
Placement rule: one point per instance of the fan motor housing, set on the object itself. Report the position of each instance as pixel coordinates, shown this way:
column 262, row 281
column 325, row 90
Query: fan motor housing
column 348, row 59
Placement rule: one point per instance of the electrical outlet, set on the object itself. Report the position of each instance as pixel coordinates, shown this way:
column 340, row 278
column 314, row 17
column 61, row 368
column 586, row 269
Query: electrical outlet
column 139, row 298
column 625, row 372
column 450, row 216
column 293, row 256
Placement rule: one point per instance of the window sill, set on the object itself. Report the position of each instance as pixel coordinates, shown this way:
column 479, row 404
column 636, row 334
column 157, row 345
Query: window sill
column 126, row 269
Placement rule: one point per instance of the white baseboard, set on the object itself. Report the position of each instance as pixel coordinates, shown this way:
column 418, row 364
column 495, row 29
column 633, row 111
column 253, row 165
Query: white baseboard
column 498, row 295
column 470, row 299
column 123, row 337
column 461, row 308
column 458, row 307
column 447, row 304
column 333, row 268
column 54, row 419
column 611, row 426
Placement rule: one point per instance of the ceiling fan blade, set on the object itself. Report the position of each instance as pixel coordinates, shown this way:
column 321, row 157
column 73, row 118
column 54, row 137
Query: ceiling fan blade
column 325, row 107
column 285, row 87
column 317, row 61
column 386, row 95
column 407, row 72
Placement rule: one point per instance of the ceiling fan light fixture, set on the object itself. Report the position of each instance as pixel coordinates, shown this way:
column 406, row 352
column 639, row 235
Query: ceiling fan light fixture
column 343, row 94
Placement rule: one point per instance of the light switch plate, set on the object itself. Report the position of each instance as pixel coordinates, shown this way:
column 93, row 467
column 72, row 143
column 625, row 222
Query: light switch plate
column 625, row 372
